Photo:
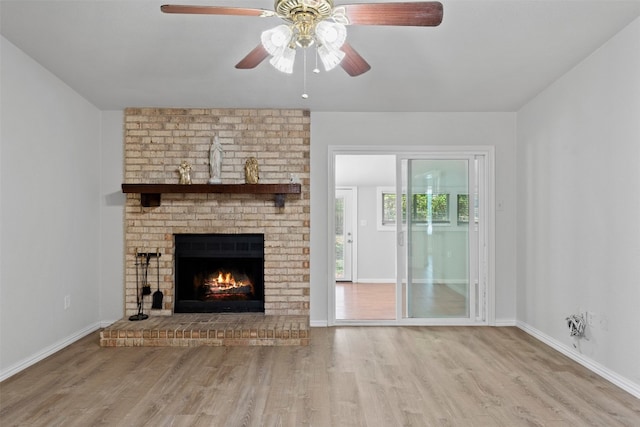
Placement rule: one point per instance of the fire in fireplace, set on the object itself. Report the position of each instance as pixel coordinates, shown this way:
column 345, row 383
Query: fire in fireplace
column 219, row 273
column 223, row 284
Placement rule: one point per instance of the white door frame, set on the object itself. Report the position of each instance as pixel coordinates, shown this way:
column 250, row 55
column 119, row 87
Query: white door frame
column 489, row 250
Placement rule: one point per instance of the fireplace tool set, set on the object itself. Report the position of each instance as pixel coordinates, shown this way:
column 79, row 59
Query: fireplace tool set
column 143, row 259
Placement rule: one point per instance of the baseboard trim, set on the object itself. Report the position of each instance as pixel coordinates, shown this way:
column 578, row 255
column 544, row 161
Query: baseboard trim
column 505, row 322
column 595, row 367
column 107, row 323
column 319, row 323
column 48, row 351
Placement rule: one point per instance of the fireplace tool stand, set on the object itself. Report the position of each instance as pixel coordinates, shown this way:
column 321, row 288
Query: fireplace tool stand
column 142, row 269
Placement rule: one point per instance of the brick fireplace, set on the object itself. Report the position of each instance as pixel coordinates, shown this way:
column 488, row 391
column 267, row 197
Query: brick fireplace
column 156, row 142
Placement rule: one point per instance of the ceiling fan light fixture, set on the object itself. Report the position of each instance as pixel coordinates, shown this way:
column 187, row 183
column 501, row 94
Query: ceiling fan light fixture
column 339, row 15
column 283, row 61
column 318, row 22
column 331, row 33
column 330, row 56
column 276, row 39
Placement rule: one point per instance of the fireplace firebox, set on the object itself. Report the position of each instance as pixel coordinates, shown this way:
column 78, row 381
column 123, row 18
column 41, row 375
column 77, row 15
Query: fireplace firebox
column 217, row 273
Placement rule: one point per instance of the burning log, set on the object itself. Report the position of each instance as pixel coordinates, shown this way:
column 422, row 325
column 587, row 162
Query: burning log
column 223, row 284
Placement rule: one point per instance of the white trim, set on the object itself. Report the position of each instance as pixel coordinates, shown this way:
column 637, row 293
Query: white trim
column 331, row 247
column 48, row 351
column 319, row 324
column 107, row 323
column 595, row 367
column 444, row 321
column 390, row 281
column 505, row 322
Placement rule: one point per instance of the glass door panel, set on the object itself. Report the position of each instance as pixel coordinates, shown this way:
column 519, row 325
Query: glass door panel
column 435, row 238
column 343, row 235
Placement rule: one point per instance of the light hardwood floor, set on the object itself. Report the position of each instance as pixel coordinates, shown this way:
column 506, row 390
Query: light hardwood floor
column 365, row 301
column 377, row 301
column 347, row 376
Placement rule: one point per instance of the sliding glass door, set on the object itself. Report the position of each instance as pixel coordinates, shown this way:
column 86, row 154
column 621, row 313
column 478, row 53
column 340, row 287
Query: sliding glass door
column 421, row 221
column 438, row 238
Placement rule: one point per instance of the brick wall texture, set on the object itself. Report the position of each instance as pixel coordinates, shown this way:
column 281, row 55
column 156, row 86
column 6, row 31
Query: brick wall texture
column 157, row 140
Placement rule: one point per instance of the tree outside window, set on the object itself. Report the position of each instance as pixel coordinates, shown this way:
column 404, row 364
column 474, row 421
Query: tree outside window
column 463, row 208
column 423, row 207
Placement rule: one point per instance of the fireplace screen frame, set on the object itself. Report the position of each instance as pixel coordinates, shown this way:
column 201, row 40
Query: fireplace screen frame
column 218, row 247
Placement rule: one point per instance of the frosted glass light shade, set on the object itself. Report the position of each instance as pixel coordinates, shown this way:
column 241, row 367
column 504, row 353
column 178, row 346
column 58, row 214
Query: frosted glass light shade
column 331, row 33
column 330, row 57
column 276, row 39
column 283, row 61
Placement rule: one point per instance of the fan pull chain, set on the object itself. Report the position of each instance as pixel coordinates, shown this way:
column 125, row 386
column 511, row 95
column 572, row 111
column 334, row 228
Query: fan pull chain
column 305, row 95
column 316, row 70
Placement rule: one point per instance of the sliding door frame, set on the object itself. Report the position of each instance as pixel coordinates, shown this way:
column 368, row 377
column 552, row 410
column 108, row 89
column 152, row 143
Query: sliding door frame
column 487, row 253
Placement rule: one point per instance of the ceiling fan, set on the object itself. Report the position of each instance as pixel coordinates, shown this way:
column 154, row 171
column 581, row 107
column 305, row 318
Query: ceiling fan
column 319, row 23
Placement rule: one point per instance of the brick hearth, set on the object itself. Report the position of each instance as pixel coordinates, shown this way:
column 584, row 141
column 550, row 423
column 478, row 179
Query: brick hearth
column 192, row 330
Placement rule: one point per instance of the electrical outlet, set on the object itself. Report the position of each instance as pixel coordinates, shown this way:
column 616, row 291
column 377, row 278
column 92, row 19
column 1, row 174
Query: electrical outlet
column 67, row 302
column 590, row 316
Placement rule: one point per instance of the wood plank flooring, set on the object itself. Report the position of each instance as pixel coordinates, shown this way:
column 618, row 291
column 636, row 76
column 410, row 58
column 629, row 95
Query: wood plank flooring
column 365, row 301
column 347, row 376
column 377, row 301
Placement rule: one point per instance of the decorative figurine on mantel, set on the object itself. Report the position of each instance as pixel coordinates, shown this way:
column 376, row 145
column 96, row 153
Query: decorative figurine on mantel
column 251, row 171
column 185, row 172
column 215, row 161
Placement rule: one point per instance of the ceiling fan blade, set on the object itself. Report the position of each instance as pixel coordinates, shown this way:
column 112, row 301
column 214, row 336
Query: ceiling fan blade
column 353, row 63
column 214, row 10
column 255, row 57
column 418, row 14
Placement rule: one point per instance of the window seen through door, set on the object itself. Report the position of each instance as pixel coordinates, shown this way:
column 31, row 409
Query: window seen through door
column 424, row 207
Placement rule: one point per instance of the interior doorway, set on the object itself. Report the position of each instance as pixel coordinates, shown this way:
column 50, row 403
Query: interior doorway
column 368, row 293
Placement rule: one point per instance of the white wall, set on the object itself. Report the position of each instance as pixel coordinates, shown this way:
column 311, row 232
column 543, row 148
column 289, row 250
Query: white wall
column 376, row 249
column 381, row 129
column 112, row 202
column 578, row 159
column 49, row 237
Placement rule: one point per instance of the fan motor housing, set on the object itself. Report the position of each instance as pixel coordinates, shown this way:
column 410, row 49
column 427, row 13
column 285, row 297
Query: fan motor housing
column 288, row 9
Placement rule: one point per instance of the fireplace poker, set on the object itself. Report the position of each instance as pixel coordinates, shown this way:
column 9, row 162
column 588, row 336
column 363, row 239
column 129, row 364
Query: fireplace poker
column 157, row 295
column 139, row 298
column 146, row 287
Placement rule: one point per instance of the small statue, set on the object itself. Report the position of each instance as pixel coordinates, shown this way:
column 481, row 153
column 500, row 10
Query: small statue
column 251, row 171
column 185, row 172
column 215, row 161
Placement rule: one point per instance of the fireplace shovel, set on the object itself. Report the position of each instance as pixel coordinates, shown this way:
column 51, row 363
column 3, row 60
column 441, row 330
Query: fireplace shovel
column 157, row 295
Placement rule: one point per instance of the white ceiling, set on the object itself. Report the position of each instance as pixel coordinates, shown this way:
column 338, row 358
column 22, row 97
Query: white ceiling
column 485, row 56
